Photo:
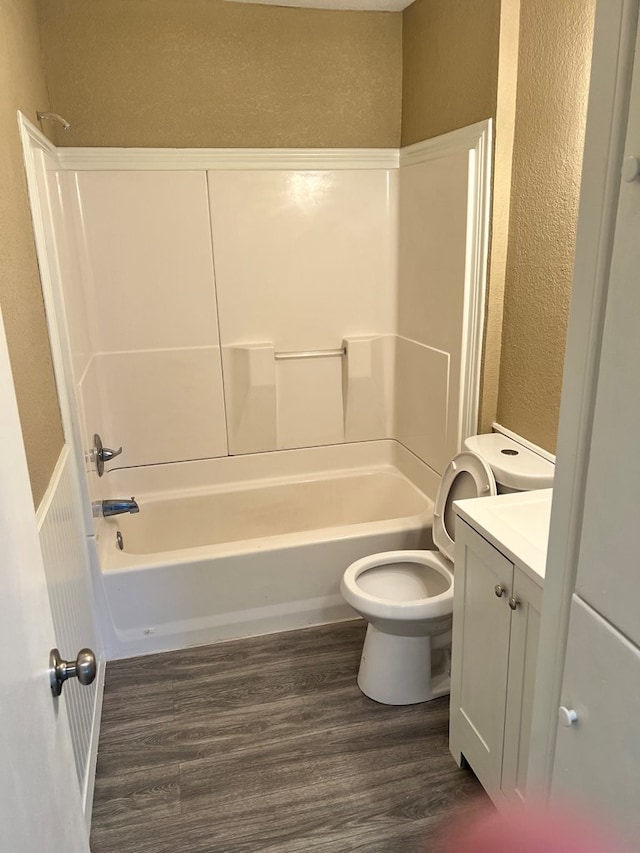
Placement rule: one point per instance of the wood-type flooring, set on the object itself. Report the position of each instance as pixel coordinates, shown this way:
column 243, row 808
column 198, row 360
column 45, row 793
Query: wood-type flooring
column 266, row 744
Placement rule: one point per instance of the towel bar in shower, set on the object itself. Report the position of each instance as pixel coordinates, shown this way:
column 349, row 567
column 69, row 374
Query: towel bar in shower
column 312, row 353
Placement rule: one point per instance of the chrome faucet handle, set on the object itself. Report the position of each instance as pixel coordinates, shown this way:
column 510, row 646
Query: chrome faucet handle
column 102, row 454
column 108, row 454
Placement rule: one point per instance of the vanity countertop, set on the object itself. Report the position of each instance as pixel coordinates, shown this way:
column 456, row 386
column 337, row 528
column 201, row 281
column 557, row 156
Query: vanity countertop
column 516, row 524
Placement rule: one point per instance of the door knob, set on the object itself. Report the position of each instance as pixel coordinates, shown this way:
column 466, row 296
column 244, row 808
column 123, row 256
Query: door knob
column 567, row 716
column 499, row 590
column 83, row 668
column 514, row 603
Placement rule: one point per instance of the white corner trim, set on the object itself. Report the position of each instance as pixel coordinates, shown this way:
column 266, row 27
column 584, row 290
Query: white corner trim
column 466, row 138
column 478, row 140
column 164, row 159
column 28, row 130
column 534, row 448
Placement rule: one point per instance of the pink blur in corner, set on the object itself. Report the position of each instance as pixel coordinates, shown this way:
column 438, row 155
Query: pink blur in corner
column 530, row 830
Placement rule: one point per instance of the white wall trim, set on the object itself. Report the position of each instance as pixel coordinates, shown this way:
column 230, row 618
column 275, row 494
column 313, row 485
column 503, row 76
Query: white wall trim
column 90, row 776
column 161, row 159
column 35, row 143
column 479, row 138
column 613, row 58
column 165, row 159
column 456, row 140
column 535, row 448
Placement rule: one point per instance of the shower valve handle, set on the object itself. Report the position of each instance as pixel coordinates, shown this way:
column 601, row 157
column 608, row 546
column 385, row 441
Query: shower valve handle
column 102, row 454
column 107, row 454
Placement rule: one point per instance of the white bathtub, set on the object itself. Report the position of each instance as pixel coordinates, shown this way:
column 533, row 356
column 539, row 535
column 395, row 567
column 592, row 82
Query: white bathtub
column 248, row 545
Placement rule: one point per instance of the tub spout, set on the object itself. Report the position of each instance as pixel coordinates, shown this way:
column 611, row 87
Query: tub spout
column 116, row 506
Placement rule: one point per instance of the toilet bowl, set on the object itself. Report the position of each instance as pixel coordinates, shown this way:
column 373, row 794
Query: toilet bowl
column 407, row 596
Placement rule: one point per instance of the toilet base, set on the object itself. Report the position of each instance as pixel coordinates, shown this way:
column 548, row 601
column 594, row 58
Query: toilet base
column 397, row 670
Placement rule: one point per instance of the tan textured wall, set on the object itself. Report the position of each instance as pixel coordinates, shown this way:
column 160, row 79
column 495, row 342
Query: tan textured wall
column 500, row 209
column 450, row 65
column 208, row 73
column 553, row 77
column 22, row 87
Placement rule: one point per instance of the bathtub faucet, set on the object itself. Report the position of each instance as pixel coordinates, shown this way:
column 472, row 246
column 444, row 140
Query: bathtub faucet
column 116, row 506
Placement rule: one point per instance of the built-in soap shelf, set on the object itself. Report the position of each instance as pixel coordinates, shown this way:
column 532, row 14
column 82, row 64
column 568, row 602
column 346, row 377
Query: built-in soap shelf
column 284, row 398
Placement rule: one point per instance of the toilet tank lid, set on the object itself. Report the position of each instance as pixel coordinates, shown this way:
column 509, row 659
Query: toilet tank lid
column 513, row 464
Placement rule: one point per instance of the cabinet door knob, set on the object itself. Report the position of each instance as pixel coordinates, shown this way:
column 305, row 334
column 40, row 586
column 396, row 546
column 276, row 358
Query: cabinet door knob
column 514, row 603
column 567, row 716
column 499, row 590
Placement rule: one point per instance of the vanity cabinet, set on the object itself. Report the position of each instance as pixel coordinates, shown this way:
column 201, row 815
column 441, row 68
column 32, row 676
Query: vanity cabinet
column 496, row 623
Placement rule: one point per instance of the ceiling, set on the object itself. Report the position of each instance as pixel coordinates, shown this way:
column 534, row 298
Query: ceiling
column 359, row 5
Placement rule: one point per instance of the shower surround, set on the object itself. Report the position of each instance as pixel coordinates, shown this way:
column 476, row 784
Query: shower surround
column 294, row 329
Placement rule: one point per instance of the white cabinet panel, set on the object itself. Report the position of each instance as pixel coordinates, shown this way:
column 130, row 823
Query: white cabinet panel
column 597, row 758
column 496, row 628
column 523, row 657
column 480, row 655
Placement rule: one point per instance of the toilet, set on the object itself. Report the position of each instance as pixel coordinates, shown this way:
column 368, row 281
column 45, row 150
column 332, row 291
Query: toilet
column 407, row 596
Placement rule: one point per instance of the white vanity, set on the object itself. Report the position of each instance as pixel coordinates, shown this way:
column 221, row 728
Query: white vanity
column 501, row 547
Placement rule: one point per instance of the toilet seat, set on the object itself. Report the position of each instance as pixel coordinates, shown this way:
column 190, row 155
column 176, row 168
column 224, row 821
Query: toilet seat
column 385, row 608
column 479, row 482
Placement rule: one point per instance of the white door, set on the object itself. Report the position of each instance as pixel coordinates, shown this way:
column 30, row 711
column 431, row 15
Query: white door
column 608, row 569
column 598, row 752
column 40, row 806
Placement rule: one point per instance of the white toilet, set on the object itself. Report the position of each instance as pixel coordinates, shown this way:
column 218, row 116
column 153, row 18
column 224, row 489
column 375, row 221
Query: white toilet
column 407, row 596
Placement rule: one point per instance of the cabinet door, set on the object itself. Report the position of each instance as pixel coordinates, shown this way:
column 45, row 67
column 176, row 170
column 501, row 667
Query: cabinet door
column 598, row 756
column 480, row 654
column 523, row 657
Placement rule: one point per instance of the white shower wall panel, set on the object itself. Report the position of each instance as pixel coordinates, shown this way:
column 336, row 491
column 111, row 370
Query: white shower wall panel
column 432, row 250
column 64, row 219
column 149, row 271
column 164, row 405
column 422, row 403
column 304, row 258
column 147, row 266
column 435, row 227
column 194, row 280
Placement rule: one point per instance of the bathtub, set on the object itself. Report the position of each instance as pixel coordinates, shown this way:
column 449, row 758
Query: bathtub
column 247, row 545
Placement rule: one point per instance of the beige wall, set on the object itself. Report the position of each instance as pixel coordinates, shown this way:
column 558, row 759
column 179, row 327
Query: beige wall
column 553, row 76
column 207, row 73
column 22, row 87
column 450, row 65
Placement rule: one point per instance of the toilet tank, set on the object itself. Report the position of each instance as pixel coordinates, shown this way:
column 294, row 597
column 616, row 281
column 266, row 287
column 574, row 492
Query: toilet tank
column 515, row 467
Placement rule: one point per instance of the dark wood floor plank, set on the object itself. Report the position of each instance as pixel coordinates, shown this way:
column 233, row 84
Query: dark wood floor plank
column 229, row 656
column 131, row 704
column 134, row 799
column 266, row 744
